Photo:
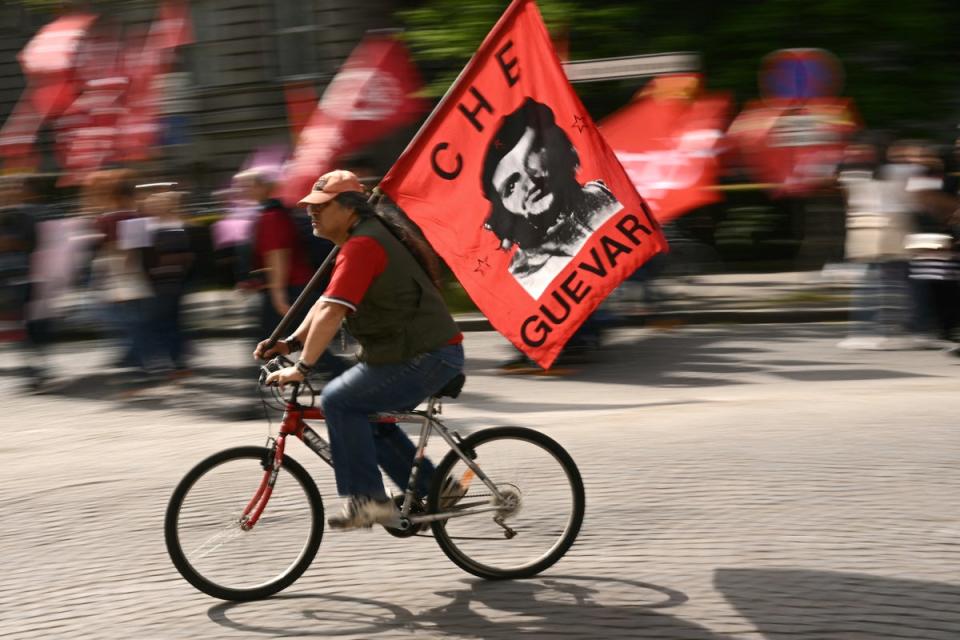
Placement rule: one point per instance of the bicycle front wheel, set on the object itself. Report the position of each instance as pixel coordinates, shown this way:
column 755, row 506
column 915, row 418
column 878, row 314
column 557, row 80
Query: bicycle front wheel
column 211, row 549
column 536, row 521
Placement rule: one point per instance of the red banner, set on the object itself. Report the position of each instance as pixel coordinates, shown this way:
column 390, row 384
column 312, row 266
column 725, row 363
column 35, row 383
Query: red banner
column 86, row 132
column 48, row 62
column 115, row 118
column 667, row 140
column 371, row 95
column 138, row 128
column 516, row 189
column 301, row 103
column 793, row 147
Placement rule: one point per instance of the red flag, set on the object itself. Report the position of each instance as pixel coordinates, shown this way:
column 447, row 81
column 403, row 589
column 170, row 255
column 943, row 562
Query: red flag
column 170, row 29
column 516, row 189
column 371, row 95
column 668, row 142
column 794, row 147
column 301, row 102
column 86, row 132
column 48, row 62
column 138, row 127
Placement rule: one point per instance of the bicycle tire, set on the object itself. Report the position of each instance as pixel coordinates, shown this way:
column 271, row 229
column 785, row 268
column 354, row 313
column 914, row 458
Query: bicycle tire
column 210, row 585
column 474, row 444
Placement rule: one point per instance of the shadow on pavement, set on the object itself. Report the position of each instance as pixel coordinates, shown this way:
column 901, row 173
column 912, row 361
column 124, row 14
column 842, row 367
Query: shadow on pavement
column 789, row 604
column 711, row 357
column 701, row 357
column 567, row 606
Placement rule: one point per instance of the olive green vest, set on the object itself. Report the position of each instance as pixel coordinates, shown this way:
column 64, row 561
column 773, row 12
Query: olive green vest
column 402, row 314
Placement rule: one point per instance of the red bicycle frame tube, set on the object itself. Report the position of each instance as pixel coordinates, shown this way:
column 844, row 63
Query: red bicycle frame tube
column 292, row 424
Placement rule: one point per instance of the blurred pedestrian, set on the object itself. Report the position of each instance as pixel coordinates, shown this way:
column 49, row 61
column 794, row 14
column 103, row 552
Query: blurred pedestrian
column 934, row 263
column 279, row 261
column 878, row 220
column 231, row 236
column 118, row 274
column 168, row 259
column 19, row 217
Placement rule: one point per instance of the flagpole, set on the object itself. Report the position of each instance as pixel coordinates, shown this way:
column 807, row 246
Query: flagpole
column 302, row 299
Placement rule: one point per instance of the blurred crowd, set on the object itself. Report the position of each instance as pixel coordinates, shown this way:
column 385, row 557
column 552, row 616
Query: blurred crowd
column 903, row 227
column 133, row 250
column 128, row 249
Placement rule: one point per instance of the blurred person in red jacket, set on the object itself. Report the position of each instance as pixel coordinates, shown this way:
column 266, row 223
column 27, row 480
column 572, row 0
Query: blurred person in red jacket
column 279, row 261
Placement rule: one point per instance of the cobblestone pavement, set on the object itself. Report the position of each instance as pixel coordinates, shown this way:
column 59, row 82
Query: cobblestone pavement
column 742, row 483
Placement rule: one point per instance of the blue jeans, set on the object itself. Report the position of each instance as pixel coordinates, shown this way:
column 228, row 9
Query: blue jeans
column 878, row 303
column 358, row 445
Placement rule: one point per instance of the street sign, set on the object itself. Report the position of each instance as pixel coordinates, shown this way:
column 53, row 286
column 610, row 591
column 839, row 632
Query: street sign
column 800, row 74
column 631, row 66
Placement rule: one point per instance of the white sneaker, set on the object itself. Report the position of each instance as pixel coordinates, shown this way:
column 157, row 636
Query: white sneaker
column 859, row 342
column 892, row 343
column 451, row 493
column 361, row 511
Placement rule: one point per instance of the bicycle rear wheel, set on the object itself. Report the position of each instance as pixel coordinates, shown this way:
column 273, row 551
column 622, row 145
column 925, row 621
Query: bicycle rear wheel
column 534, row 473
column 215, row 554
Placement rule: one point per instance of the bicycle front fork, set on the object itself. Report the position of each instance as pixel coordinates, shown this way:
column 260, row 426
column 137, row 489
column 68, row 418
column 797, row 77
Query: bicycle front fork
column 272, row 461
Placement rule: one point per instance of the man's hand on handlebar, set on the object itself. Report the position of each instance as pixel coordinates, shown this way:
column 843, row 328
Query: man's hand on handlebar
column 285, row 376
column 262, row 352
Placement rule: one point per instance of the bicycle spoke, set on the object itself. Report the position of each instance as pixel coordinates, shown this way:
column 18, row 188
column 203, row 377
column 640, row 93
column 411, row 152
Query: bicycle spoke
column 534, row 519
column 229, row 532
column 219, row 553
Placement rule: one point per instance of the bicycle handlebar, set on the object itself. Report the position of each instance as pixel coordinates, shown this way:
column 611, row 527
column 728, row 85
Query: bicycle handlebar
column 275, row 364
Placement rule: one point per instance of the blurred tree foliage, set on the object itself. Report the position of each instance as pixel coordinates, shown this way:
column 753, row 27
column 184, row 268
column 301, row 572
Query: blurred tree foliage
column 899, row 58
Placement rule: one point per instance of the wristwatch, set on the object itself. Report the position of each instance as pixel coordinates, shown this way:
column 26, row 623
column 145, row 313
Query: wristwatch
column 304, row 368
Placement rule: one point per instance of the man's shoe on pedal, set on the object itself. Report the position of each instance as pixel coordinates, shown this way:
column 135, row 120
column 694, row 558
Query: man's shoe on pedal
column 451, row 493
column 363, row 511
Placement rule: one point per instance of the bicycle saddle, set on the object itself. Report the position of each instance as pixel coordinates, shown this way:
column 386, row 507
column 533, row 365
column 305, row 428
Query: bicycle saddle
column 453, row 388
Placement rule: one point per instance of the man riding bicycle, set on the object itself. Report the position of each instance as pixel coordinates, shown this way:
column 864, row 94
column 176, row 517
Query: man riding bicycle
column 385, row 287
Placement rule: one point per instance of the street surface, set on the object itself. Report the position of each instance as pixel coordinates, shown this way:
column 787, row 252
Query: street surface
column 742, row 483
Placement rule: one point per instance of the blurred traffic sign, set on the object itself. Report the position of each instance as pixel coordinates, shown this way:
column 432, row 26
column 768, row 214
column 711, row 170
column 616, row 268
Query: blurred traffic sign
column 800, row 75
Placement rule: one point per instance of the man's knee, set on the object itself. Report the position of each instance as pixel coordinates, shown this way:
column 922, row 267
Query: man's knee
column 330, row 401
column 336, row 398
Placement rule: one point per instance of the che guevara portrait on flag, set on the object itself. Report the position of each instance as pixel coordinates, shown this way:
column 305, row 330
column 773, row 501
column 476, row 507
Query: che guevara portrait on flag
column 516, row 189
column 530, row 178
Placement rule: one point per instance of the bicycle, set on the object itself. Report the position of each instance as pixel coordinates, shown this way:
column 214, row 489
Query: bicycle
column 496, row 525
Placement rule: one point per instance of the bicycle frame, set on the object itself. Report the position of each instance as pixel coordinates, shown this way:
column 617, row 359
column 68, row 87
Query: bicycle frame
column 294, row 423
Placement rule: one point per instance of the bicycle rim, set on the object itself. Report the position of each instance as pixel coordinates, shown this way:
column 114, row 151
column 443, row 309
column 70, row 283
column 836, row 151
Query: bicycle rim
column 218, row 556
column 525, row 465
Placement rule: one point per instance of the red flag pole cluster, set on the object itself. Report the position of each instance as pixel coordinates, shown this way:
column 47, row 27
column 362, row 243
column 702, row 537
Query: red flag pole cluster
column 99, row 93
column 49, row 65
